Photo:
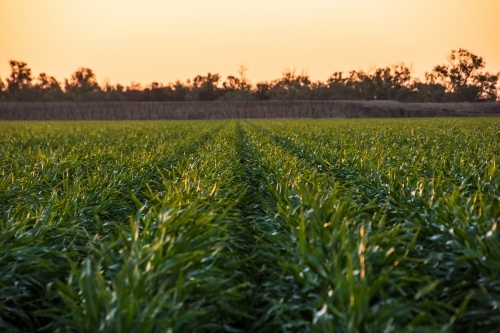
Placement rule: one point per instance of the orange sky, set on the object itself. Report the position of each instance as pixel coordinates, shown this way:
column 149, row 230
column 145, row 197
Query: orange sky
column 166, row 40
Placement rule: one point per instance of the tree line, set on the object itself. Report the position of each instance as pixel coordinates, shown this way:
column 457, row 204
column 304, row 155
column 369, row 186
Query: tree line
column 462, row 79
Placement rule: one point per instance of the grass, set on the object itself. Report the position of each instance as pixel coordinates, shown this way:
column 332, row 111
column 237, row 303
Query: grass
column 241, row 226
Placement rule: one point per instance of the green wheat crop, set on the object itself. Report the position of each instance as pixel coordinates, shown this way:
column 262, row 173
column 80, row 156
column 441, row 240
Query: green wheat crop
column 250, row 226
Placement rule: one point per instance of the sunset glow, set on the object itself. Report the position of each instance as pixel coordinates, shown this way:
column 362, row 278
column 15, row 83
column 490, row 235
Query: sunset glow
column 163, row 41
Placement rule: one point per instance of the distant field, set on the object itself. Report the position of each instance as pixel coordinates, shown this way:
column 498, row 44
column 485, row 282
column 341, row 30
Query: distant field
column 250, row 226
column 239, row 110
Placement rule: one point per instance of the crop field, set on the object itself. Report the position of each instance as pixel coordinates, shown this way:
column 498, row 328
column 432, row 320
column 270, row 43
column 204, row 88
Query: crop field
column 387, row 225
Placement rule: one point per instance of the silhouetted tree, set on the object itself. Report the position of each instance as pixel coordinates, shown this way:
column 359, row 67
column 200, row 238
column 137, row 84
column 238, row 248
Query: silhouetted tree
column 47, row 88
column 425, row 92
column 291, row 86
column 430, row 91
column 262, row 91
column 392, row 83
column 237, row 87
column 82, row 85
column 179, row 91
column 20, row 76
column 460, row 80
column 463, row 79
column 113, row 92
column 47, row 82
column 134, row 92
column 205, row 88
column 337, row 88
column 19, row 82
column 362, row 83
column 154, row 92
column 2, row 88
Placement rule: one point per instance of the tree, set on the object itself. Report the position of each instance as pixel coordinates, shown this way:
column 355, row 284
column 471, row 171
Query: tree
column 463, row 79
column 112, row 92
column 392, row 83
column 429, row 91
column 20, row 77
column 237, row 87
column 262, row 91
column 82, row 85
column 46, row 82
column 338, row 88
column 291, row 86
column 2, row 87
column 362, row 83
column 47, row 88
column 179, row 91
column 205, row 88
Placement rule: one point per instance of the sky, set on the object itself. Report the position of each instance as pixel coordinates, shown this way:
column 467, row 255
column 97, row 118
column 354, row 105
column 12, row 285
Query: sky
column 146, row 41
